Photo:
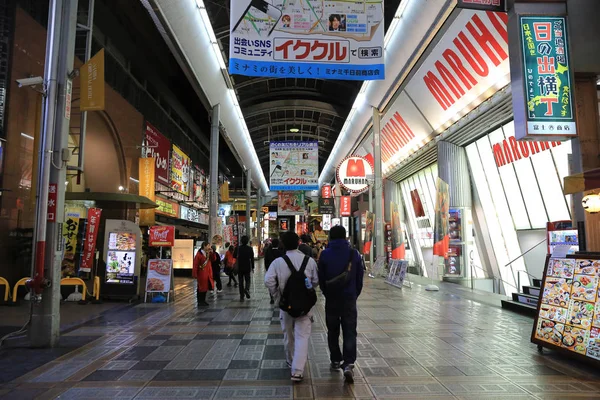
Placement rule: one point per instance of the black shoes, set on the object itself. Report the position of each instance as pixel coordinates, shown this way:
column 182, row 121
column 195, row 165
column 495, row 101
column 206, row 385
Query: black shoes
column 335, row 365
column 349, row 373
column 247, row 294
column 242, row 299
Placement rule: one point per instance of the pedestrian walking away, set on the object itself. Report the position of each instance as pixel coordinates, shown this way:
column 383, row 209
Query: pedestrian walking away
column 229, row 261
column 305, row 245
column 272, row 253
column 203, row 273
column 341, row 272
column 292, row 280
column 245, row 262
column 215, row 260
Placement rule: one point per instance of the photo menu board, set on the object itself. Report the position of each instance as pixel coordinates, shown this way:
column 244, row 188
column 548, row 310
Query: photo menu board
column 569, row 311
column 121, row 258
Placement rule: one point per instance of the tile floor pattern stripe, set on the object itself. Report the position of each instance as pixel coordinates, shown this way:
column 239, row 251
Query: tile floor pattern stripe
column 412, row 344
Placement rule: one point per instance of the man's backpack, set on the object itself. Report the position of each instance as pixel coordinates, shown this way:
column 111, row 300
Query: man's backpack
column 297, row 299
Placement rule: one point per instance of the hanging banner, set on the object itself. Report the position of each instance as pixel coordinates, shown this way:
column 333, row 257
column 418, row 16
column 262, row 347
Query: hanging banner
column 290, row 203
column 312, row 39
column 294, row 165
column 180, row 171
column 69, row 231
column 398, row 247
column 346, row 225
column 369, row 228
column 547, row 104
column 91, row 234
column 161, row 236
column 327, row 205
column 345, row 206
column 326, row 191
column 326, row 222
column 336, row 222
column 147, row 169
column 158, row 147
column 487, row 5
column 352, row 174
column 441, row 237
column 159, row 276
column 92, row 83
column 200, row 187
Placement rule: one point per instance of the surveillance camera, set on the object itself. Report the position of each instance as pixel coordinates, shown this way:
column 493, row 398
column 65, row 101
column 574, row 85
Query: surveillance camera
column 36, row 80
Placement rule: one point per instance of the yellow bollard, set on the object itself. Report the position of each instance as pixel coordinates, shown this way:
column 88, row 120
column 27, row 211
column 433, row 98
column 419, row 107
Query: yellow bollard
column 21, row 282
column 75, row 282
column 7, row 291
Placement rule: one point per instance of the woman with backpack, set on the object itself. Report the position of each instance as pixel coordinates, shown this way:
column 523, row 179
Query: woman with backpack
column 229, row 261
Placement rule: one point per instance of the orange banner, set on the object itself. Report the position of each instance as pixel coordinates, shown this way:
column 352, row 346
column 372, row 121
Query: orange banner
column 147, row 169
column 92, row 83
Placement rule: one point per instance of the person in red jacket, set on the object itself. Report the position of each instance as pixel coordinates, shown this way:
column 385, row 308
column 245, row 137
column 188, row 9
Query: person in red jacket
column 203, row 273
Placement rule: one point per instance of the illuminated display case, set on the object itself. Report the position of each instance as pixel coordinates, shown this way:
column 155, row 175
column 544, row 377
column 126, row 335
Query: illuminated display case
column 562, row 233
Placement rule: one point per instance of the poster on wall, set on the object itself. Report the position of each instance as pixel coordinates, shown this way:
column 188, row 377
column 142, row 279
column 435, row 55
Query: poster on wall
column 284, row 224
column 158, row 147
column 200, row 193
column 441, row 237
column 316, row 39
column 369, row 228
column 547, row 78
column 290, row 203
column 294, row 165
column 397, row 242
column 91, row 235
column 159, row 276
column 147, row 169
column 180, row 171
column 182, row 254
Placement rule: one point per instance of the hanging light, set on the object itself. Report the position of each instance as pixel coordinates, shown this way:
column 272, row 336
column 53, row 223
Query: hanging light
column 294, row 130
column 591, row 203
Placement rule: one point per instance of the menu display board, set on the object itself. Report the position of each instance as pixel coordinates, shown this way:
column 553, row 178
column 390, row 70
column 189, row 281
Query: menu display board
column 159, row 275
column 120, row 263
column 569, row 311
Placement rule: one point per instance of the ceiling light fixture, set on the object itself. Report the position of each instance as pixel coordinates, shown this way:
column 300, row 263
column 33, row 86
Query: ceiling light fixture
column 294, row 130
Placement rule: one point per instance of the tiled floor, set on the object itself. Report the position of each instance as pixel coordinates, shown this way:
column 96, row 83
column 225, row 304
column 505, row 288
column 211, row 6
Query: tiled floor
column 412, row 344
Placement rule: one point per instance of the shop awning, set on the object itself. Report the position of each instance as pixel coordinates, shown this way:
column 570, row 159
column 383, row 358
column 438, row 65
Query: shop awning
column 113, row 200
column 578, row 183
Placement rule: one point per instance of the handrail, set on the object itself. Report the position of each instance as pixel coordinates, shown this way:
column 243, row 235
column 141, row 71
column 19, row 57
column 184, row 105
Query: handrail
column 525, row 252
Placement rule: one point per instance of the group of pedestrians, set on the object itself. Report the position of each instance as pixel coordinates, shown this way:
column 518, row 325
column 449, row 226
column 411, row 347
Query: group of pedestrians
column 207, row 269
column 292, row 278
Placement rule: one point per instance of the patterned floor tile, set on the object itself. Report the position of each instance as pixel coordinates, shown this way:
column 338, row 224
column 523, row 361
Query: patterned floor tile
column 255, row 392
column 103, row 393
column 241, row 375
column 177, row 393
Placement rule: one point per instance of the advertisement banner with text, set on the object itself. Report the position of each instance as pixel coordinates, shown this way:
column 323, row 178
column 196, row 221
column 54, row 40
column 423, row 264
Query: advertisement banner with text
column 327, row 205
column 92, row 83
column 161, row 236
column 180, row 171
column 398, row 247
column 159, row 276
column 290, row 203
column 294, row 166
column 318, row 39
column 345, row 206
column 200, row 187
column 441, row 237
column 158, row 147
column 91, row 234
column 487, row 5
column 147, row 168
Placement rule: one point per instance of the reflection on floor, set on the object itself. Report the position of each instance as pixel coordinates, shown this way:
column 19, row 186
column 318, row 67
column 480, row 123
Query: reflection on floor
column 412, row 344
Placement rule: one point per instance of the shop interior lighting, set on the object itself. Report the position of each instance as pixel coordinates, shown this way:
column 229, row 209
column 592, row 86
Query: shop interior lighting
column 121, row 188
column 26, row 136
column 591, row 203
column 294, row 130
column 361, row 99
column 133, row 179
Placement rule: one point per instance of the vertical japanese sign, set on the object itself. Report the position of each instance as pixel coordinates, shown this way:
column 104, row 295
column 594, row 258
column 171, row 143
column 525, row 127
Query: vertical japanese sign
column 294, row 165
column 547, row 77
column 91, row 234
column 200, row 187
column 441, row 237
column 70, row 229
column 158, row 147
column 398, row 247
column 345, row 206
column 290, row 203
column 326, row 222
column 92, row 83
column 147, row 168
column 52, row 197
column 180, row 171
column 326, row 191
column 325, row 39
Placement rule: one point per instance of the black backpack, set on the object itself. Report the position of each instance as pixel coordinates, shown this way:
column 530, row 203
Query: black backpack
column 297, row 299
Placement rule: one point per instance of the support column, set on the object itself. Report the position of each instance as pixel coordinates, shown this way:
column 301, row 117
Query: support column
column 370, row 192
column 259, row 216
column 248, row 202
column 214, row 172
column 60, row 53
column 379, row 229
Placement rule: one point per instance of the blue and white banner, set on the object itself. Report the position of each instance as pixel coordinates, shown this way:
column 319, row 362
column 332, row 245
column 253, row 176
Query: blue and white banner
column 324, row 39
column 294, row 166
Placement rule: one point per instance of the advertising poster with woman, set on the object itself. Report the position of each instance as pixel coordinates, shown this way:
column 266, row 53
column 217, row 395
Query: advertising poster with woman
column 398, row 247
column 290, row 203
column 369, row 218
column 180, row 171
column 441, row 237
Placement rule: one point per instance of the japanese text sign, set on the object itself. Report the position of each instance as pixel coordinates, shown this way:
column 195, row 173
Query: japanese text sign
column 321, row 39
column 547, row 78
column 92, row 83
column 147, row 169
column 158, row 146
column 180, row 171
column 52, row 197
column 161, row 236
column 166, row 207
column 70, row 229
column 488, row 5
column 200, row 187
column 294, row 165
column 345, row 206
column 326, row 205
column 91, row 234
column 326, row 191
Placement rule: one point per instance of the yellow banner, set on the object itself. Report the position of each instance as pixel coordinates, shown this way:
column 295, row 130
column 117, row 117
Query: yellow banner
column 147, row 172
column 180, row 171
column 69, row 231
column 92, row 83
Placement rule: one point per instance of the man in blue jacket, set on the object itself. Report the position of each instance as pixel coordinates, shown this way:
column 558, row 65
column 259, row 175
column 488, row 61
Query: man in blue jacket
column 341, row 293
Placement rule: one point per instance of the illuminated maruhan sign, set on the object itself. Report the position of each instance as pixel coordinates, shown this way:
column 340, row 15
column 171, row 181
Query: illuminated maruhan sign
column 352, row 174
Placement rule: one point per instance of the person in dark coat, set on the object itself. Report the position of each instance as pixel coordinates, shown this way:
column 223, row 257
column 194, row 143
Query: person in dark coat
column 245, row 259
column 305, row 245
column 273, row 253
column 215, row 260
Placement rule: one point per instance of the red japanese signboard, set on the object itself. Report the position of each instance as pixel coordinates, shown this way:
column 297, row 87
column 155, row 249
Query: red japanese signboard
column 91, row 234
column 345, row 206
column 326, row 191
column 158, row 147
column 161, row 236
column 52, row 202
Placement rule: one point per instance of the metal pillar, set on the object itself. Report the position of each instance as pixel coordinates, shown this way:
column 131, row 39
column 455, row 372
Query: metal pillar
column 370, row 210
column 259, row 216
column 248, row 202
column 378, row 184
column 214, row 172
column 52, row 170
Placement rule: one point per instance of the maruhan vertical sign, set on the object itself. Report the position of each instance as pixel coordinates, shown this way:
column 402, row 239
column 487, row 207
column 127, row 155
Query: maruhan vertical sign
column 325, row 39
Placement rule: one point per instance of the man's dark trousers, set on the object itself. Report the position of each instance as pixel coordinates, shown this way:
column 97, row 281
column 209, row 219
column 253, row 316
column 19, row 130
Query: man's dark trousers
column 341, row 311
